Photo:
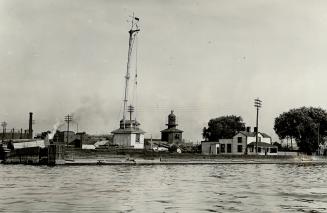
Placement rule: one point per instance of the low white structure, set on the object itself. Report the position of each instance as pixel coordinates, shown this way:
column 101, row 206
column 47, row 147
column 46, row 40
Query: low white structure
column 29, row 143
column 210, row 147
column 88, row 146
column 102, row 143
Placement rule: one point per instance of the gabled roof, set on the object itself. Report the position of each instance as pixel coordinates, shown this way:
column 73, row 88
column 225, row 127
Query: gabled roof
column 265, row 135
column 248, row 134
column 252, row 134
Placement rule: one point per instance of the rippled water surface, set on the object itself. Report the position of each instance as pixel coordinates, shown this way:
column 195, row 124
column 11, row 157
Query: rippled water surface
column 158, row 188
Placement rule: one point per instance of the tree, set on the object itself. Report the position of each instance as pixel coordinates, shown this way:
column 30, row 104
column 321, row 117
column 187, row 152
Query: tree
column 303, row 124
column 223, row 127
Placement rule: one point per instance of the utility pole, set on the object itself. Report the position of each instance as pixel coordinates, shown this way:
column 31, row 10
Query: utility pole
column 257, row 104
column 4, row 125
column 318, row 152
column 68, row 118
column 130, row 110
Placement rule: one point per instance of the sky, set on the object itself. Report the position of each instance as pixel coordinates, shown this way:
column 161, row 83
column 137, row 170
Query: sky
column 202, row 59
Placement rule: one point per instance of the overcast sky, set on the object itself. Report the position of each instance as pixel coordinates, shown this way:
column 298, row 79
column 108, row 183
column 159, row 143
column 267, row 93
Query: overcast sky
column 202, row 59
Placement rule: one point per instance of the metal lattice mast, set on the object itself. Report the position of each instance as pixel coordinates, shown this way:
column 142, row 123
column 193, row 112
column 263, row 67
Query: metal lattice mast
column 132, row 34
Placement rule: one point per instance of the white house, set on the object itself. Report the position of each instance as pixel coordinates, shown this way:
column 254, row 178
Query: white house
column 242, row 143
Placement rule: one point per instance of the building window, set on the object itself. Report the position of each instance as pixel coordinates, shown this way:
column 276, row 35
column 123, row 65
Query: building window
column 137, row 140
column 177, row 136
column 239, row 139
column 229, row 148
column 239, row 148
column 259, row 139
column 259, row 149
column 222, row 148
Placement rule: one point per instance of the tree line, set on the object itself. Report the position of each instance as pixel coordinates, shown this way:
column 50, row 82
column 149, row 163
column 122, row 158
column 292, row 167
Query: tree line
column 306, row 125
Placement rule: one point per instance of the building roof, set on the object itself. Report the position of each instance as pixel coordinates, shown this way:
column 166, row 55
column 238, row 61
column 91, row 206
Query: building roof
column 252, row 134
column 262, row 144
column 172, row 130
column 31, row 143
column 265, row 135
column 128, row 131
column 210, row 142
column 248, row 134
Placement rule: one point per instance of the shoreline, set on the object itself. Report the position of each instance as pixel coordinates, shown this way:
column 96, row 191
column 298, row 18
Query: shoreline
column 143, row 162
column 70, row 157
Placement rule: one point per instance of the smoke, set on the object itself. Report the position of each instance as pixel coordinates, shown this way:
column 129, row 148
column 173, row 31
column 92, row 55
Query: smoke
column 54, row 129
column 94, row 116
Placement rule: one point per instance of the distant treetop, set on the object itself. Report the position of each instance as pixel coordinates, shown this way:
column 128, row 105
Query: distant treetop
column 223, row 127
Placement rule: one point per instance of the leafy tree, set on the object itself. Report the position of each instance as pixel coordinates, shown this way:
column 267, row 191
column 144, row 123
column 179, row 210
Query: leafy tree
column 223, row 127
column 303, row 124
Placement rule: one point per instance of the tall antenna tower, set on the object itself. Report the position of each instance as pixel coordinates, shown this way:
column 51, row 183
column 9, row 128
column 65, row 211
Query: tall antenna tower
column 132, row 36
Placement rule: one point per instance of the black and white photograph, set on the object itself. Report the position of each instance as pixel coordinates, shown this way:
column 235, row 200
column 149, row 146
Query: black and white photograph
column 163, row 106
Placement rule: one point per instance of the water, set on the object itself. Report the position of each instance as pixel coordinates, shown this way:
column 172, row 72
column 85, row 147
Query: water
column 178, row 188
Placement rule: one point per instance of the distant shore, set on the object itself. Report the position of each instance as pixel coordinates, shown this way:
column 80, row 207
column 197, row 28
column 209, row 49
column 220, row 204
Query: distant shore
column 153, row 162
column 98, row 157
column 79, row 157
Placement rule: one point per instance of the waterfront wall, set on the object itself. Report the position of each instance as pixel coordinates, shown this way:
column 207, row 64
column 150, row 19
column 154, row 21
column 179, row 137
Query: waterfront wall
column 31, row 155
column 51, row 155
column 74, row 154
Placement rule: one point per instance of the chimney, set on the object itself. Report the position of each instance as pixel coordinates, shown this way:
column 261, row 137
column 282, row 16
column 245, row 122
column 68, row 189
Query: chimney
column 248, row 129
column 255, row 129
column 30, row 127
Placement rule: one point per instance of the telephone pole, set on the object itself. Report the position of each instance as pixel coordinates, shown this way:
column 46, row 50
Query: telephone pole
column 257, row 104
column 68, row 118
column 4, row 125
column 318, row 126
column 130, row 110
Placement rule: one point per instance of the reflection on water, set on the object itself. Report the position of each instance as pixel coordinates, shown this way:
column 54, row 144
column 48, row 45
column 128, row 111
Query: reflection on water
column 159, row 188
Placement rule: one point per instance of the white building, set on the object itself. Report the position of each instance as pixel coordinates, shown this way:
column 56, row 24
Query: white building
column 242, row 143
column 129, row 135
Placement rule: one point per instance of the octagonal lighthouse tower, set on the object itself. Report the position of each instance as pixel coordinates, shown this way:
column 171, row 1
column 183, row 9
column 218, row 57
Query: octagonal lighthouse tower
column 129, row 134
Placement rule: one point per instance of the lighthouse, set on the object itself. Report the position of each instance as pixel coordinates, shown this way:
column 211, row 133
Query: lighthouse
column 172, row 135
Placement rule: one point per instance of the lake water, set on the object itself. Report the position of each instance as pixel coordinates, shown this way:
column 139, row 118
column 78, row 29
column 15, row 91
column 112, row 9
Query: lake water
column 159, row 188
